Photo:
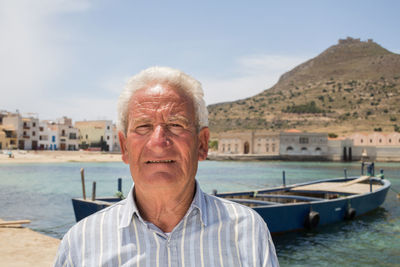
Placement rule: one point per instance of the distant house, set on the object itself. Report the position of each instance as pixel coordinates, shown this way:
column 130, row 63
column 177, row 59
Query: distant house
column 48, row 139
column 97, row 134
column 58, row 135
column 25, row 130
column 294, row 143
column 260, row 143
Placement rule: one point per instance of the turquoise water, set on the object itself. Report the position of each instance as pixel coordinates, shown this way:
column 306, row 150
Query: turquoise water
column 42, row 193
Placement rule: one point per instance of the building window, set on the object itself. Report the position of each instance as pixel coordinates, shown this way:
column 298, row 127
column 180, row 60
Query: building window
column 289, row 148
column 318, row 149
column 34, row 124
column 362, row 141
column 63, row 133
column 33, row 133
column 41, row 129
column 108, row 138
column 380, row 140
column 53, row 138
column 86, row 136
column 390, row 140
column 370, row 140
column 303, row 140
column 303, row 149
column 108, row 127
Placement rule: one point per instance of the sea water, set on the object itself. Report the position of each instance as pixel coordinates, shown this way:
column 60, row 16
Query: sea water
column 42, row 192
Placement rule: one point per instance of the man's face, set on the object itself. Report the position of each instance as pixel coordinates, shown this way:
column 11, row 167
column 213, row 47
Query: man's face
column 162, row 145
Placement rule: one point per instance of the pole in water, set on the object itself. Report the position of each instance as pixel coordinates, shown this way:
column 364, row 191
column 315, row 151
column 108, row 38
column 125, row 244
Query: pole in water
column 345, row 173
column 370, row 184
column 284, row 178
column 119, row 184
column 94, row 191
column 83, row 183
column 362, row 168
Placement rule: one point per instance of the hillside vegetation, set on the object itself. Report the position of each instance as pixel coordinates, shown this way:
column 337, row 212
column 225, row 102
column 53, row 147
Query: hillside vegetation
column 353, row 86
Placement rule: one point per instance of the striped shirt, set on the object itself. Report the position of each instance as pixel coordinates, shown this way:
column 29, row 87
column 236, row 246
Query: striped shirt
column 214, row 232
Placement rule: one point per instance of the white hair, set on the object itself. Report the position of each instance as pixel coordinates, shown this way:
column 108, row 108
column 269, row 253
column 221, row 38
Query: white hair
column 168, row 76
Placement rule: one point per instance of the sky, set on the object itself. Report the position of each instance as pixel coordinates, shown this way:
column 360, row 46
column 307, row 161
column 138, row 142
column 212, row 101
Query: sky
column 72, row 57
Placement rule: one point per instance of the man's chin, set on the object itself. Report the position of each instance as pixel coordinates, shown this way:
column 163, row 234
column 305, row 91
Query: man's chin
column 160, row 178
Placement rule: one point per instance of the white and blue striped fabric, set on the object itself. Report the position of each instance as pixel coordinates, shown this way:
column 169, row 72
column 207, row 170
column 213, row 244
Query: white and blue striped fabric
column 214, row 232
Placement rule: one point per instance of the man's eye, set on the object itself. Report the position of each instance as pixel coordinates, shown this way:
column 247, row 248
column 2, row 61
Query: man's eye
column 143, row 129
column 176, row 128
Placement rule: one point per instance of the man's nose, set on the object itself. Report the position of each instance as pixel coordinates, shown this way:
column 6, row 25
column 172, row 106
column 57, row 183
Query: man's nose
column 159, row 138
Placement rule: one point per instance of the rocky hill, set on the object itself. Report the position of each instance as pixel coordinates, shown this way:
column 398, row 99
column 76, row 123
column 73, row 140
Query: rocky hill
column 352, row 86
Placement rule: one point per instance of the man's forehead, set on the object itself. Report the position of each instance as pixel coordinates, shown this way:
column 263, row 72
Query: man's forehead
column 158, row 93
column 175, row 101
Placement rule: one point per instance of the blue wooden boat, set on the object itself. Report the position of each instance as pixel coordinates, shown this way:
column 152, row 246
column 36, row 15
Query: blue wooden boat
column 294, row 207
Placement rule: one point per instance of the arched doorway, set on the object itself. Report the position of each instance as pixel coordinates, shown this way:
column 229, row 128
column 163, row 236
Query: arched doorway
column 246, row 148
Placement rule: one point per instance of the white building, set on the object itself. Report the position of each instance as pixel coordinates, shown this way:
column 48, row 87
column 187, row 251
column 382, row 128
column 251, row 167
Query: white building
column 48, row 139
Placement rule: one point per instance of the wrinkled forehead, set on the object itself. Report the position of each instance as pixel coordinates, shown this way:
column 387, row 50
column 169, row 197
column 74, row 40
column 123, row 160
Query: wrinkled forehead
column 164, row 98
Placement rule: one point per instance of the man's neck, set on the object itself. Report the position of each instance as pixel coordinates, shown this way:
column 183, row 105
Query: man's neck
column 165, row 208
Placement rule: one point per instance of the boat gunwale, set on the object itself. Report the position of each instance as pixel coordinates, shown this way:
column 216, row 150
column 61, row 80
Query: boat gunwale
column 385, row 184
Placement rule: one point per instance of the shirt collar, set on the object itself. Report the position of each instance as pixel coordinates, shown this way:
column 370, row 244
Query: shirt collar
column 130, row 209
column 200, row 204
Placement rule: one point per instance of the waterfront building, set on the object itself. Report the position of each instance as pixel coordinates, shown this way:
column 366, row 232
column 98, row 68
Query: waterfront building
column 251, row 142
column 22, row 129
column 8, row 137
column 297, row 145
column 302, row 145
column 97, row 135
column 48, row 138
column 58, row 135
column 68, row 134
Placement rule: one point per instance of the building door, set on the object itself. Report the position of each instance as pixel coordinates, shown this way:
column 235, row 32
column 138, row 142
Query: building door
column 62, row 146
column 21, row 144
column 34, row 145
column 246, row 148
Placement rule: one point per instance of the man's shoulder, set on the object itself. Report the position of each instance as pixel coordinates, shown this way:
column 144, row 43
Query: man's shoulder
column 100, row 216
column 232, row 209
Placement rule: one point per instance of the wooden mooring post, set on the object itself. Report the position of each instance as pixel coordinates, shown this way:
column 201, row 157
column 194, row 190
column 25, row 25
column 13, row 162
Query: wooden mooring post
column 83, row 183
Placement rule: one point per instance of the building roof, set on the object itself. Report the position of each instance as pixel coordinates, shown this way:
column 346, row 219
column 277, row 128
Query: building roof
column 292, row 131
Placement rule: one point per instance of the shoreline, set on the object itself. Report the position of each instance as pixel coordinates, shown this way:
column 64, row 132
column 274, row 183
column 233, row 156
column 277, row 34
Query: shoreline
column 31, row 156
column 21, row 246
column 46, row 156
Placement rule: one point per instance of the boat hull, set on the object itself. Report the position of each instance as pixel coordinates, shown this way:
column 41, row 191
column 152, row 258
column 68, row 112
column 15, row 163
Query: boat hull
column 283, row 218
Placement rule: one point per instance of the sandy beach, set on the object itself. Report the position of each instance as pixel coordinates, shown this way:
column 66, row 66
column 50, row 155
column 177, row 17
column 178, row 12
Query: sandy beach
column 21, row 247
column 26, row 156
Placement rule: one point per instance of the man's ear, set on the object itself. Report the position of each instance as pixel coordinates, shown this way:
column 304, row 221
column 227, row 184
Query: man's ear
column 204, row 136
column 122, row 144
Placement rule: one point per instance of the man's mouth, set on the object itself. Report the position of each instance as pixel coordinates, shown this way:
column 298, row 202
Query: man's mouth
column 160, row 161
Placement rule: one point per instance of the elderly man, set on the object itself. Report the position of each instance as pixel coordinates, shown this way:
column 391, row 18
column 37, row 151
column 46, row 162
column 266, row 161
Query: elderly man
column 166, row 220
